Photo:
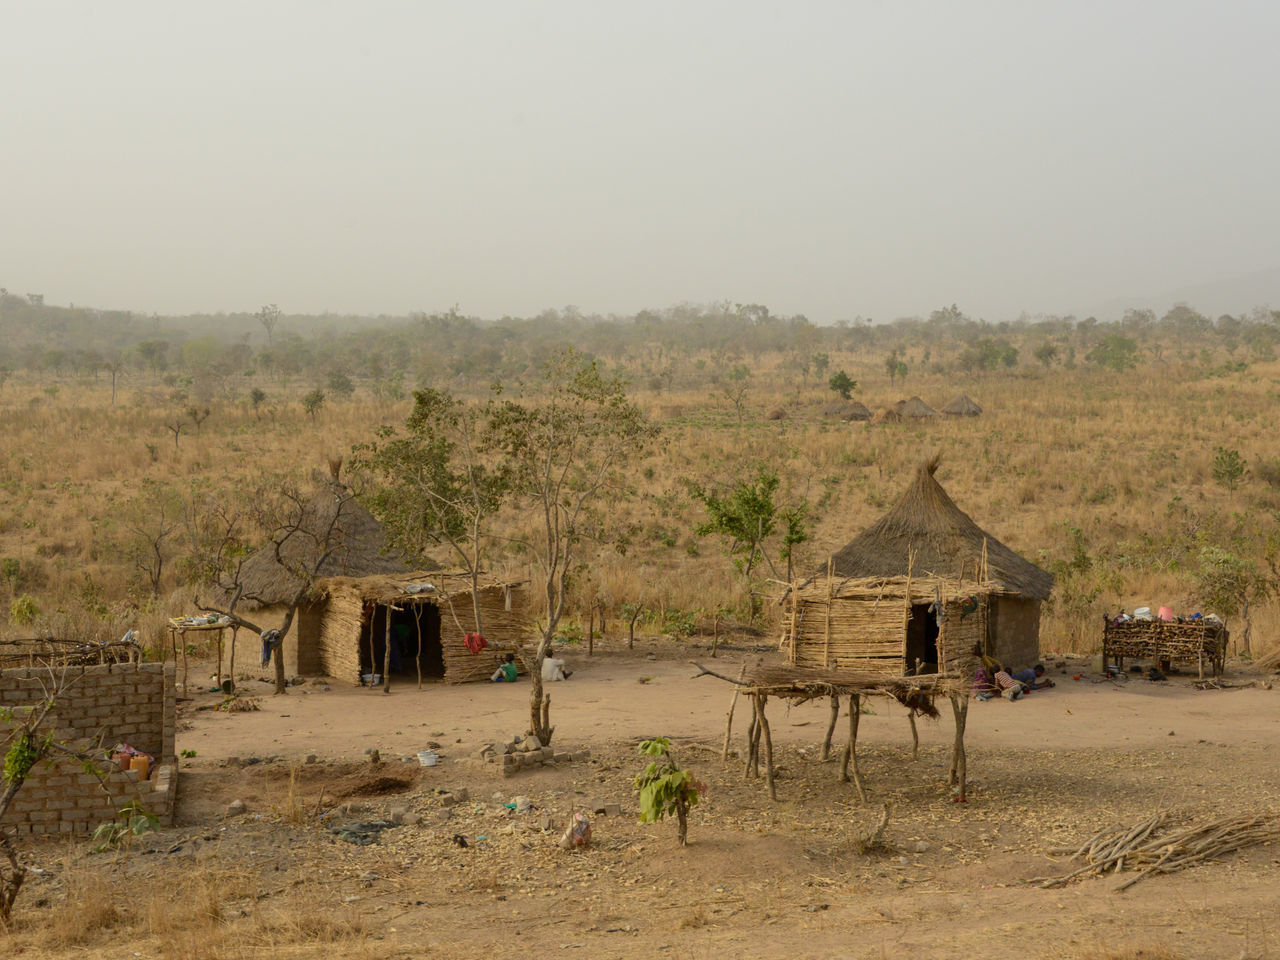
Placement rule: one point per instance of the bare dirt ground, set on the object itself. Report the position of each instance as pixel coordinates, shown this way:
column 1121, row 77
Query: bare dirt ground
column 759, row 878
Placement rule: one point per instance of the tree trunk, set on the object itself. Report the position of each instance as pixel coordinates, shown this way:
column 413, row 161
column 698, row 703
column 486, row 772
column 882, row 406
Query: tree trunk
column 539, row 703
column 682, row 822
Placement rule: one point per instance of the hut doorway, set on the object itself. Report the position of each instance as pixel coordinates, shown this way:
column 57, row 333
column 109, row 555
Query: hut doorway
column 408, row 623
column 922, row 640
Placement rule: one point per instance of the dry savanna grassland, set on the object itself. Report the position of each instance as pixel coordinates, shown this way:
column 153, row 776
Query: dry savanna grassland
column 1120, row 482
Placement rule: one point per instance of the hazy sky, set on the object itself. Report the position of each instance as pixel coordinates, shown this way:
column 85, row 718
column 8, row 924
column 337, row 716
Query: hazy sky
column 834, row 159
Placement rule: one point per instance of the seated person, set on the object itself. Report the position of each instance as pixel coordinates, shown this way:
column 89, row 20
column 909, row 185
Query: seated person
column 1010, row 688
column 984, row 687
column 553, row 669
column 1033, row 678
column 506, row 672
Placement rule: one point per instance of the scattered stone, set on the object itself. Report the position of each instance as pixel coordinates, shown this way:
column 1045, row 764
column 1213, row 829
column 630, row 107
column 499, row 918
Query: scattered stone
column 544, row 821
column 311, row 758
column 523, row 805
column 375, row 757
column 919, row 846
column 412, row 819
column 462, row 794
column 361, row 833
column 354, row 807
column 448, row 800
column 562, row 757
column 235, row 808
column 612, row 810
column 531, row 743
column 398, row 814
column 595, row 806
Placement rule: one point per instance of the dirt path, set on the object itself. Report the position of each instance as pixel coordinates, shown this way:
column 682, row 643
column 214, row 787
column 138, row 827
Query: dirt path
column 613, row 696
column 790, row 879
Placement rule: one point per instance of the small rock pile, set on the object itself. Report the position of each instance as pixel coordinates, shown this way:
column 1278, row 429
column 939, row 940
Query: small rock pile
column 520, row 753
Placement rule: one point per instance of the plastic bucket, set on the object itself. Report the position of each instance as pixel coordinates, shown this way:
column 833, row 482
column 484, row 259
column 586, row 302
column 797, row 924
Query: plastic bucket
column 427, row 758
column 142, row 765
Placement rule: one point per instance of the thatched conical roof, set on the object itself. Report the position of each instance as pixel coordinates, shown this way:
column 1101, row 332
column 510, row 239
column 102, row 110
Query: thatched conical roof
column 359, row 549
column 888, row 415
column 917, row 409
column 850, row 410
column 926, row 530
column 962, row 406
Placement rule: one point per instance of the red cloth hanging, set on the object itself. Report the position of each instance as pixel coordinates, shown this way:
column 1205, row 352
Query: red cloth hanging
column 474, row 642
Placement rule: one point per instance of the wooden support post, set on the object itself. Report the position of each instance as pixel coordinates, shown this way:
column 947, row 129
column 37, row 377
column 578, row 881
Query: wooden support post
column 715, row 633
column 591, row 630
column 185, row 691
column 915, row 736
column 850, row 763
column 728, row 723
column 386, row 654
column 960, row 707
column 753, row 740
column 768, row 747
column 831, row 729
column 231, row 668
column 220, row 633
column 417, row 621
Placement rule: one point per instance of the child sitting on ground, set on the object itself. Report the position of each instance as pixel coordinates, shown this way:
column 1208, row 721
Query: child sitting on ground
column 506, row 672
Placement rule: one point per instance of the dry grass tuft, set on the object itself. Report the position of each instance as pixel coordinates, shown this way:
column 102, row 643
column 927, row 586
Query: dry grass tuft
column 88, row 912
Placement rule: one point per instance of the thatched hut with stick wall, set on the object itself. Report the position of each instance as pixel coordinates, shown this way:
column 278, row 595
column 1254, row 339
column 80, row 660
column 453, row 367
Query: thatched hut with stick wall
column 270, row 579
column 426, row 619
column 925, row 550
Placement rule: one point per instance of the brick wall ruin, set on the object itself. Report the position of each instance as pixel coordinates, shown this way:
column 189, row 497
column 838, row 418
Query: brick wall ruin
column 100, row 707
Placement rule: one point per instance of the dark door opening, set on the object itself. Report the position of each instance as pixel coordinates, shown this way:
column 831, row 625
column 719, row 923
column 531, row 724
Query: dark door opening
column 415, row 640
column 922, row 640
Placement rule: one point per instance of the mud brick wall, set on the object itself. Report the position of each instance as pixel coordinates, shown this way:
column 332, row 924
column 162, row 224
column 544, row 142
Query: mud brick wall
column 102, row 705
column 109, row 703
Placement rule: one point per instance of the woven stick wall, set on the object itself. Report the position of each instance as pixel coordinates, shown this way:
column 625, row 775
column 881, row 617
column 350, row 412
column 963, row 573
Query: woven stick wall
column 859, row 626
column 507, row 627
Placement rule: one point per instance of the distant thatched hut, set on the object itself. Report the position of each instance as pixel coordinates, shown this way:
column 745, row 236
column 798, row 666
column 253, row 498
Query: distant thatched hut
column 925, row 552
column 962, row 406
column 888, row 415
column 849, row 411
column 916, row 409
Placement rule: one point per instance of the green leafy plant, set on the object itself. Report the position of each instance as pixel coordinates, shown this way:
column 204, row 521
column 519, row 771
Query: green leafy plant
column 1229, row 468
column 24, row 610
column 135, row 820
column 187, row 754
column 665, row 788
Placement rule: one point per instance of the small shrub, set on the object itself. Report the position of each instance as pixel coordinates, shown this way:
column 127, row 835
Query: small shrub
column 666, row 789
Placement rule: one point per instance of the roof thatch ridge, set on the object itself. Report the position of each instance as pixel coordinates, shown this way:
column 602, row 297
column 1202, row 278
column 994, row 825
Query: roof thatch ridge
column 962, row 406
column 928, row 532
column 916, row 409
column 359, row 549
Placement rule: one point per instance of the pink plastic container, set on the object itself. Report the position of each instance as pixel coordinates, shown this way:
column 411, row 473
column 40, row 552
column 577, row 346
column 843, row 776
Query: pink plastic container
column 1166, row 614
